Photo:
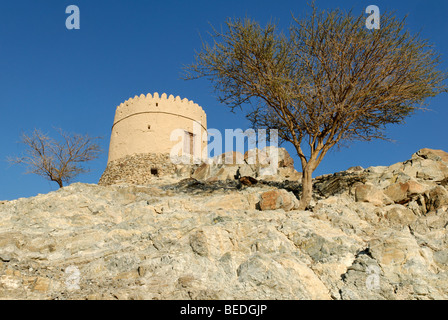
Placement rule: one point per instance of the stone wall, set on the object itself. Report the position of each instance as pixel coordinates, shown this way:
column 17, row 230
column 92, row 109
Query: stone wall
column 143, row 169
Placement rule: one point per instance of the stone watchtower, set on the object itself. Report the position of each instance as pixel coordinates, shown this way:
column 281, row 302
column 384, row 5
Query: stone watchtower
column 140, row 142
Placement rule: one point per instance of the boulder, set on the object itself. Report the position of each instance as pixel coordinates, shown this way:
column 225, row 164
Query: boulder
column 436, row 198
column 255, row 163
column 278, row 199
column 425, row 169
column 355, row 169
column 266, row 156
column 289, row 173
column 256, row 157
column 431, row 154
column 403, row 192
column 438, row 171
column 369, row 193
column 332, row 184
column 248, row 170
column 210, row 241
column 226, row 172
column 284, row 159
column 415, row 188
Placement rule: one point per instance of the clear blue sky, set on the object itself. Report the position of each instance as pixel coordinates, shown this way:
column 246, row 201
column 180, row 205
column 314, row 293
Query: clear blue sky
column 53, row 77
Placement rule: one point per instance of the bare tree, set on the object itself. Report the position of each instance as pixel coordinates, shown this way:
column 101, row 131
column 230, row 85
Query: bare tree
column 328, row 82
column 58, row 161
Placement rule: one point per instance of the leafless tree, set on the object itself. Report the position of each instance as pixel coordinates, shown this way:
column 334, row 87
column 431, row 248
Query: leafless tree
column 329, row 81
column 58, row 161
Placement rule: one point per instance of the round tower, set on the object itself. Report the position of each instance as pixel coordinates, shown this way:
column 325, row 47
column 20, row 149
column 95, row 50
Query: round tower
column 144, row 133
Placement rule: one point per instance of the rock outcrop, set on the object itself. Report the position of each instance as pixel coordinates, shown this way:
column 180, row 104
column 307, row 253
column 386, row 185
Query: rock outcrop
column 254, row 163
column 375, row 233
column 152, row 167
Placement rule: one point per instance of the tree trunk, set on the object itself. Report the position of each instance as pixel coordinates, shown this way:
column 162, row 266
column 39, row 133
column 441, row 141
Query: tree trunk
column 307, row 188
column 59, row 183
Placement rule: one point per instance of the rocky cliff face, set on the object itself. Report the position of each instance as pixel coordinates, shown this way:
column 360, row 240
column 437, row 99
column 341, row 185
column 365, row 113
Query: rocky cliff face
column 375, row 233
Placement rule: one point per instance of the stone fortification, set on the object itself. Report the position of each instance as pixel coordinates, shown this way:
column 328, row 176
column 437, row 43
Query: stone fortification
column 142, row 136
column 144, row 124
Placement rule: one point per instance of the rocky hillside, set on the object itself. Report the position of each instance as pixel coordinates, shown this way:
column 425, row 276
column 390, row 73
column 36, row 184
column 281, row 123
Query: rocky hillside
column 375, row 233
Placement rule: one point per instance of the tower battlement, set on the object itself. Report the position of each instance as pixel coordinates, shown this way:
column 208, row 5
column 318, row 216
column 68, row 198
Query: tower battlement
column 160, row 104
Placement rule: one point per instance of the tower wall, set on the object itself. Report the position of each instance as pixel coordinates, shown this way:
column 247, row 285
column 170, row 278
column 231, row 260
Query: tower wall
column 144, row 125
column 140, row 144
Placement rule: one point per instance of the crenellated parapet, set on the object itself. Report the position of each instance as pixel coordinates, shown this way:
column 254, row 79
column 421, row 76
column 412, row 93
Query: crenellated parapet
column 160, row 104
